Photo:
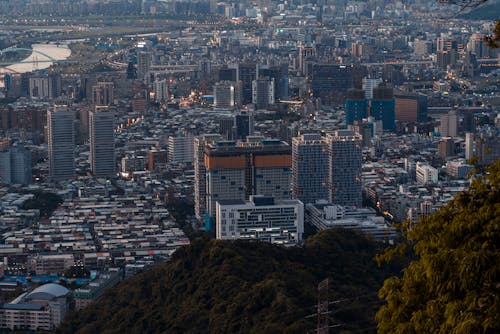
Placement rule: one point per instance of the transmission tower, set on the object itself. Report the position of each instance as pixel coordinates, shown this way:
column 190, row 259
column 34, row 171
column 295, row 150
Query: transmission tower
column 323, row 325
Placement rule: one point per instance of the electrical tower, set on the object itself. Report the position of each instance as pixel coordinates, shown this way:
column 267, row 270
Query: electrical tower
column 323, row 325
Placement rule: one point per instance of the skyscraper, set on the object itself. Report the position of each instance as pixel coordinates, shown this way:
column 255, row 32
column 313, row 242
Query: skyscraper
column 61, row 143
column 344, row 168
column 200, row 177
column 143, row 64
column 263, row 92
column 309, row 172
column 247, row 72
column 102, row 142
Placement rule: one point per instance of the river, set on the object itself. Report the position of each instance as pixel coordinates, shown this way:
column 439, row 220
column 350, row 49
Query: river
column 38, row 61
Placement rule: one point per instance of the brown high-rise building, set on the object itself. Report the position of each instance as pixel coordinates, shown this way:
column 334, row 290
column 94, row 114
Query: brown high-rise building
column 236, row 170
column 411, row 107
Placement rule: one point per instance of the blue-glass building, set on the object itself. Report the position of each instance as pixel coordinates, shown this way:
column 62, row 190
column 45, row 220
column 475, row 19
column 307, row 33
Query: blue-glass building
column 355, row 106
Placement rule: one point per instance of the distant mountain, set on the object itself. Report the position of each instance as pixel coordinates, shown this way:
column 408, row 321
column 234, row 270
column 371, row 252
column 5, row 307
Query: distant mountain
column 215, row 286
column 488, row 11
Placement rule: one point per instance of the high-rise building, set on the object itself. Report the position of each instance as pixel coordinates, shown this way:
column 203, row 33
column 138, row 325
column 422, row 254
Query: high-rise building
column 244, row 124
column 143, row 64
column 382, row 107
column 369, row 84
column 200, row 177
column 469, row 145
column 20, row 159
column 226, row 127
column 263, row 92
column 309, row 172
column 355, row 106
column 280, row 76
column 247, row 72
column 180, row 148
column 160, row 89
column 225, row 94
column 446, row 148
column 410, row 107
column 61, row 143
column 102, row 142
column 449, row 124
column 344, row 168
column 103, row 94
column 255, row 167
column 261, row 218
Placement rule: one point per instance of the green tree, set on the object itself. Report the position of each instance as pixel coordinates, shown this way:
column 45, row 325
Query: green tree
column 452, row 284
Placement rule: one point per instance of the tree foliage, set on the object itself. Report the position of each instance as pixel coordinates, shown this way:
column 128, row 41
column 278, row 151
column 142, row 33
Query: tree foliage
column 215, row 286
column 493, row 40
column 453, row 284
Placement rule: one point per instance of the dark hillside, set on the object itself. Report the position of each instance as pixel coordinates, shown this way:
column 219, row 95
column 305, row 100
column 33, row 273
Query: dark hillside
column 244, row 287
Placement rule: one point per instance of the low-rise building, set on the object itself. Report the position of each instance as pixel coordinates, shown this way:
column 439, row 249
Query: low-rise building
column 261, row 218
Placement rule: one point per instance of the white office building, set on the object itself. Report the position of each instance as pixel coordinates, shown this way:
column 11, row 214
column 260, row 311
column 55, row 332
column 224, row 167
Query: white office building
column 426, row 174
column 181, row 148
column 261, row 218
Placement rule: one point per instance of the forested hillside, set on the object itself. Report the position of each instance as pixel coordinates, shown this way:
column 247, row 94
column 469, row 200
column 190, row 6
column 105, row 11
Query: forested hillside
column 244, row 287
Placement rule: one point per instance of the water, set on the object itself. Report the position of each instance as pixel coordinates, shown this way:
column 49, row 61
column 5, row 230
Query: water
column 37, row 61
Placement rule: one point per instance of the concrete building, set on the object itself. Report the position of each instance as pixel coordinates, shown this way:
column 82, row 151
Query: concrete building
column 309, row 172
column 446, row 148
column 103, row 94
column 41, row 309
column 469, row 145
column 180, row 148
column 426, row 174
column 261, row 218
column 225, row 94
column 411, row 108
column 243, row 124
column 200, row 177
column 369, row 84
column 20, row 158
column 85, row 295
column 102, row 142
column 263, row 92
column 255, row 167
column 325, row 216
column 344, row 168
column 61, row 143
column 458, row 169
column 50, row 264
column 15, row 165
column 143, row 64
column 449, row 124
column 160, row 89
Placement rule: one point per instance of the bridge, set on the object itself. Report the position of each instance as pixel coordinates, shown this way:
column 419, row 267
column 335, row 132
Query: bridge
column 395, row 62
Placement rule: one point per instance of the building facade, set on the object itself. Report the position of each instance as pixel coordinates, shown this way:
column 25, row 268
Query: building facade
column 261, row 218
column 344, row 168
column 61, row 143
column 309, row 172
column 102, row 142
